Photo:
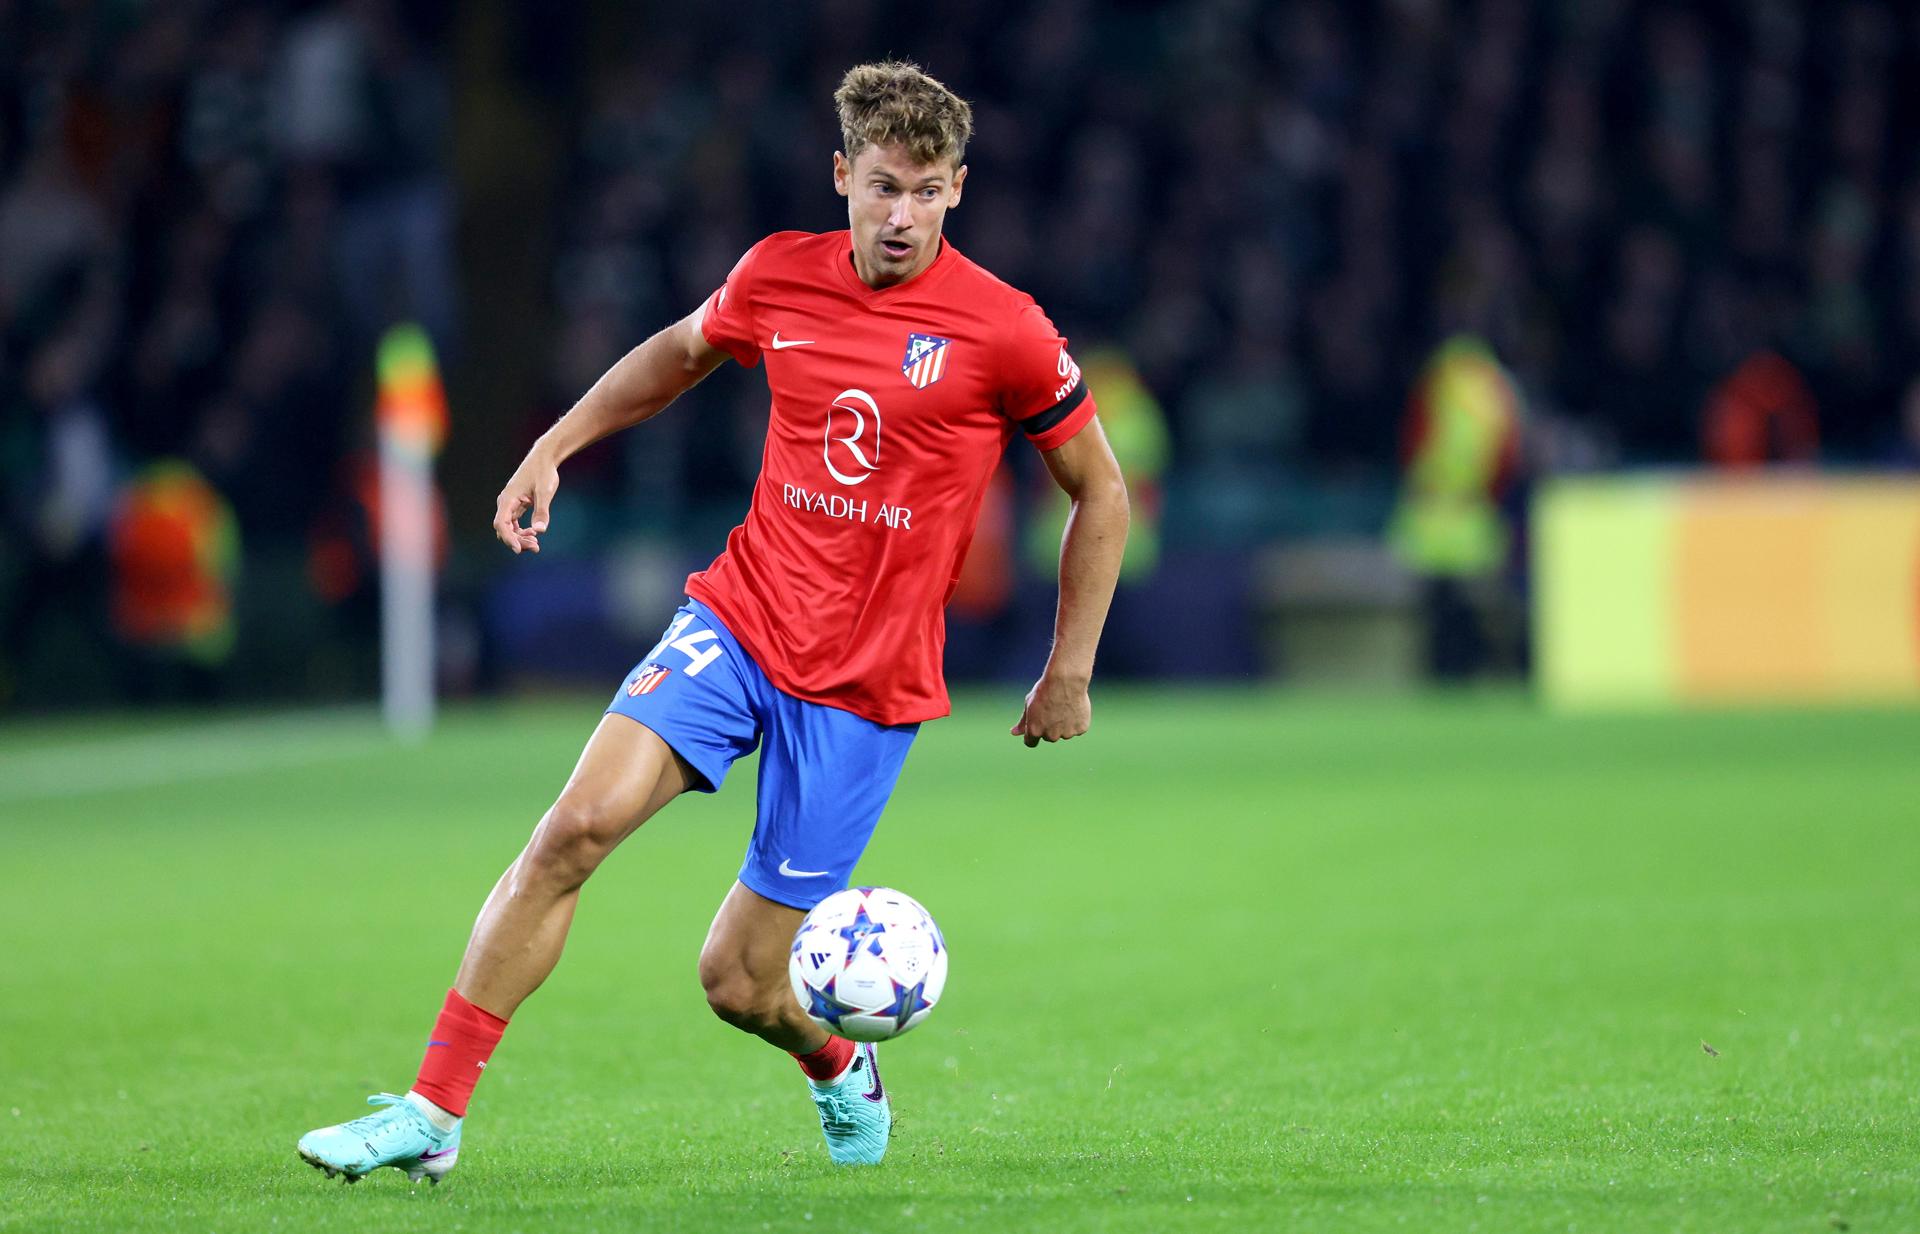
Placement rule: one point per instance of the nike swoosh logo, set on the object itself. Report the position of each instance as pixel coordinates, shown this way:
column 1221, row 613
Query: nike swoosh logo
column 790, row 872
column 780, row 344
column 876, row 1093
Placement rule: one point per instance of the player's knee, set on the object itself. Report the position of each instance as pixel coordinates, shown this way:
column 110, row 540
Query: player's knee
column 736, row 998
column 573, row 839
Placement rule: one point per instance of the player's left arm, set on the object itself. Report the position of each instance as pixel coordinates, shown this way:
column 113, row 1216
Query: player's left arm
column 1058, row 707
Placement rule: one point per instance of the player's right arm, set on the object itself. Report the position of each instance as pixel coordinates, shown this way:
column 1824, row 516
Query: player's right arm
column 637, row 387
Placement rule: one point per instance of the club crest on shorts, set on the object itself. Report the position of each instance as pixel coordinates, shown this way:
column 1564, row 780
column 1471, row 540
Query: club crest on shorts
column 926, row 359
column 647, row 680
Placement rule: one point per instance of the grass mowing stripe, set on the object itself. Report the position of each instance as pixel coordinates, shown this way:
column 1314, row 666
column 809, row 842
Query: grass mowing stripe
column 37, row 767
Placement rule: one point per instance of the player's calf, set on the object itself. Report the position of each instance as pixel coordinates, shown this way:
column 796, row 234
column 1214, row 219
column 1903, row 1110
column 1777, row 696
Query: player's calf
column 765, row 1009
column 843, row 1077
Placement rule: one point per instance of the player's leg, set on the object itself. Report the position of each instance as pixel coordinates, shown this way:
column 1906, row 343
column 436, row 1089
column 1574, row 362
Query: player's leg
column 825, row 776
column 668, row 729
column 743, row 968
column 625, row 774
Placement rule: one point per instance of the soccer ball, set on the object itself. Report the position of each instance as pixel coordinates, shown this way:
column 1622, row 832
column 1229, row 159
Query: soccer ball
column 868, row 963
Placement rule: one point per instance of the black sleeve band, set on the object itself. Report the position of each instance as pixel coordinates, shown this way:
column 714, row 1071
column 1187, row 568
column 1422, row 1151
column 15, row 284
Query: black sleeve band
column 1035, row 425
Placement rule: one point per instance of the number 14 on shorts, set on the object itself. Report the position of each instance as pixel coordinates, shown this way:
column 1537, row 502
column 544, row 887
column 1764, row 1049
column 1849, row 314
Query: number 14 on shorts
column 689, row 645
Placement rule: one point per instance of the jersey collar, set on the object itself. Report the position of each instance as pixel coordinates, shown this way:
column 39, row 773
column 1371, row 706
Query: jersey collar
column 850, row 278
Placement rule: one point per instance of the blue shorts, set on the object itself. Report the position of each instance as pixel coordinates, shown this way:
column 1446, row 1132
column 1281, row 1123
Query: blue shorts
column 825, row 774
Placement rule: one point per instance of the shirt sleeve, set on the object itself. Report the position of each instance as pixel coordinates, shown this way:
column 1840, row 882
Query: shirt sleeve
column 728, row 320
column 1042, row 389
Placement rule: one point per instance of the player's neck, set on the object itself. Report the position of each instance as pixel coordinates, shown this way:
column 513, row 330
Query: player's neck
column 867, row 276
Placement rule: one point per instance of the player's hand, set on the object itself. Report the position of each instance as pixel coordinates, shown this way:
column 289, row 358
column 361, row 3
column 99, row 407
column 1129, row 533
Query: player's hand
column 1056, row 710
column 532, row 487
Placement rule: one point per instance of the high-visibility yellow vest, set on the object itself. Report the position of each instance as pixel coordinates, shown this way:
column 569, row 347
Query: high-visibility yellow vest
column 1448, row 521
column 1137, row 430
column 175, row 549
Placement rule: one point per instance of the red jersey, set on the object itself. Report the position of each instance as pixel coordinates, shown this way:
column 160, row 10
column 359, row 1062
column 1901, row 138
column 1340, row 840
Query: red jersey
column 891, row 409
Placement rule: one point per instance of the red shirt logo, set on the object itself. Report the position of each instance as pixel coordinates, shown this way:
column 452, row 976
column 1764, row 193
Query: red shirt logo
column 852, row 451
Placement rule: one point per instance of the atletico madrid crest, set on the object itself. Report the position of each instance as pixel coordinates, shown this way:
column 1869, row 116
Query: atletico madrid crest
column 647, row 680
column 926, row 359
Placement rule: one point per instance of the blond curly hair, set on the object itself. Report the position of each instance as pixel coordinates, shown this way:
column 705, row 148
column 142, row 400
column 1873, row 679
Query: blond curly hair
column 897, row 102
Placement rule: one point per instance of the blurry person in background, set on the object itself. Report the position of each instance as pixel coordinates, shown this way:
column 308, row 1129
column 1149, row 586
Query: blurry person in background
column 1763, row 413
column 57, row 477
column 1137, row 431
column 1461, row 445
column 54, row 240
column 175, row 547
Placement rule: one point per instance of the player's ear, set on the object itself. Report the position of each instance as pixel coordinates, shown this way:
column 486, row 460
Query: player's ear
column 953, row 194
column 842, row 174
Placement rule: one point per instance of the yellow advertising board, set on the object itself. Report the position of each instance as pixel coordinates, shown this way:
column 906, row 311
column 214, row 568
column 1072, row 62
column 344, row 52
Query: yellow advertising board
column 1692, row 588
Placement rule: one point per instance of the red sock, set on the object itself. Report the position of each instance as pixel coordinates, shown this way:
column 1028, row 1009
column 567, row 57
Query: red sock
column 463, row 1040
column 828, row 1061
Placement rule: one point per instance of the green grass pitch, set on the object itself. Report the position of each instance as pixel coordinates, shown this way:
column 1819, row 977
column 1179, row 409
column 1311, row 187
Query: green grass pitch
column 1235, row 961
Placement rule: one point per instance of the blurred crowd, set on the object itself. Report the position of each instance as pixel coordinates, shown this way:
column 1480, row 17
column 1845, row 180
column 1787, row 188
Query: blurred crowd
column 207, row 214
column 1280, row 209
column 1658, row 217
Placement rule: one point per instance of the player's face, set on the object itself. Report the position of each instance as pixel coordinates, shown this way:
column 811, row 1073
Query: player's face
column 896, row 208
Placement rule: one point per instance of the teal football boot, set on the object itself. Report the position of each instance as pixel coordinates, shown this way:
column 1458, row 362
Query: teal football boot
column 854, row 1111
column 398, row 1135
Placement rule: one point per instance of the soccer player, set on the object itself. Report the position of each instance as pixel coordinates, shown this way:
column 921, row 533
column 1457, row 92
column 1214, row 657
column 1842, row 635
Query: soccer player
column 899, row 371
